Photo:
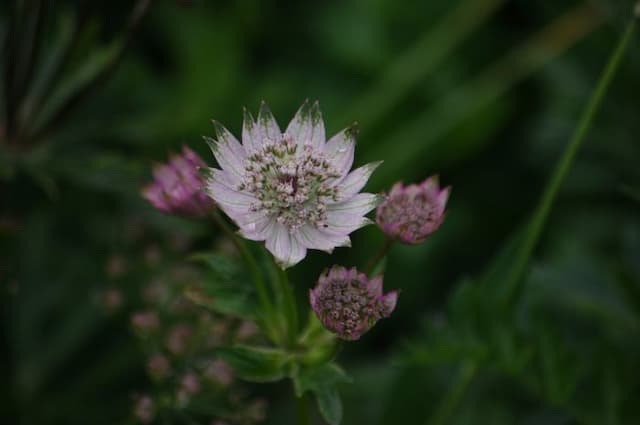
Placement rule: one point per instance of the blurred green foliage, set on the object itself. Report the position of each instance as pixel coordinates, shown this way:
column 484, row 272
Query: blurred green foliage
column 483, row 92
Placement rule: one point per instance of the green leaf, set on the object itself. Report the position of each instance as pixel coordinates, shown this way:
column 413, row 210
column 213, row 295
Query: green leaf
column 330, row 405
column 316, row 377
column 322, row 380
column 225, row 290
column 257, row 364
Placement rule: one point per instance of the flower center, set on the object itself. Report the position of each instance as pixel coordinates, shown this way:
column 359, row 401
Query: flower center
column 290, row 183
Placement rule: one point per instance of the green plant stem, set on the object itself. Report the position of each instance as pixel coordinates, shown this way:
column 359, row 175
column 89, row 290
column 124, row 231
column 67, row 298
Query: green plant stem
column 261, row 289
column 454, row 396
column 290, row 307
column 473, row 96
column 302, row 410
column 516, row 273
column 384, row 250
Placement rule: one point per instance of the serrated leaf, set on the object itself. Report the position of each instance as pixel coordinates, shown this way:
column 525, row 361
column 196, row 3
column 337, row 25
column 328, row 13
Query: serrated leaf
column 225, row 290
column 330, row 405
column 322, row 381
column 257, row 364
column 317, row 377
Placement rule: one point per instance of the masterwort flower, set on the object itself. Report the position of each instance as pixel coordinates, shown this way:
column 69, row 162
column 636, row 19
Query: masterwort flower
column 292, row 189
column 348, row 303
column 177, row 186
column 410, row 214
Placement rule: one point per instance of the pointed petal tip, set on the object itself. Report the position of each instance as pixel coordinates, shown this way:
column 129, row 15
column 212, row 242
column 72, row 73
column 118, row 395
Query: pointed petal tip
column 212, row 143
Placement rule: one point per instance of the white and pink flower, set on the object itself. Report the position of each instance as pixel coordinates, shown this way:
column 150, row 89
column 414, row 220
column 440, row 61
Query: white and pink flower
column 291, row 189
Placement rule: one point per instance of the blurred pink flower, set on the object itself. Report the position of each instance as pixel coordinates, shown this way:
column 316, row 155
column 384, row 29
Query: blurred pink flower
column 112, row 299
column 292, row 189
column 410, row 214
column 190, row 383
column 145, row 321
column 158, row 366
column 348, row 303
column 219, row 372
column 177, row 186
column 178, row 337
column 144, row 409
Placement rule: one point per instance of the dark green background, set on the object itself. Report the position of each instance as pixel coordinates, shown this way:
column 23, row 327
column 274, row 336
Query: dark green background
column 467, row 89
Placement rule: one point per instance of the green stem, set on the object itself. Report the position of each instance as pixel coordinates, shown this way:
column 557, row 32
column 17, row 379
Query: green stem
column 290, row 307
column 384, row 250
column 302, row 410
column 514, row 278
column 261, row 289
column 454, row 396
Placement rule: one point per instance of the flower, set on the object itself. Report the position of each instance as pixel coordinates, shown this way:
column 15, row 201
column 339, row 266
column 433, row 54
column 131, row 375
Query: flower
column 177, row 186
column 410, row 214
column 178, row 338
column 158, row 366
column 190, row 383
column 145, row 321
column 144, row 409
column 292, row 189
column 219, row 372
column 348, row 303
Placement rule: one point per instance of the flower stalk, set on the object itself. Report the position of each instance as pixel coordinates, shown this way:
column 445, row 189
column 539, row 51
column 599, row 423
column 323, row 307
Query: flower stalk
column 534, row 229
column 380, row 255
column 290, row 308
column 261, row 290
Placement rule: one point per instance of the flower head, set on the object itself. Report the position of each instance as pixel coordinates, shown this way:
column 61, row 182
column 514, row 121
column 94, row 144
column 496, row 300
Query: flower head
column 410, row 214
column 291, row 189
column 177, row 186
column 145, row 321
column 348, row 303
column 144, row 409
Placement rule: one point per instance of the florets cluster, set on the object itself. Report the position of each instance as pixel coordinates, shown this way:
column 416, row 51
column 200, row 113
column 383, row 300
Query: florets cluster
column 410, row 214
column 348, row 303
column 290, row 182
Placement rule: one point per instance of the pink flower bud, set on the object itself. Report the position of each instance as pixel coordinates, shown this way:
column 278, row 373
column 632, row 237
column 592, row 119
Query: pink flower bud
column 190, row 384
column 158, row 366
column 145, row 321
column 177, row 186
column 348, row 303
column 410, row 214
column 178, row 338
column 144, row 409
column 219, row 372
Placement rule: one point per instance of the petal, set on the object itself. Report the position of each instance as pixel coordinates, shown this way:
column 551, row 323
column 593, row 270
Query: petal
column 228, row 199
column 360, row 204
column 397, row 190
column 214, row 174
column 443, row 197
column 389, row 302
column 314, row 238
column 286, row 249
column 355, row 181
column 228, row 152
column 256, row 229
column 346, row 217
column 340, row 149
column 251, row 135
column 267, row 124
column 307, row 127
column 375, row 286
column 340, row 224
